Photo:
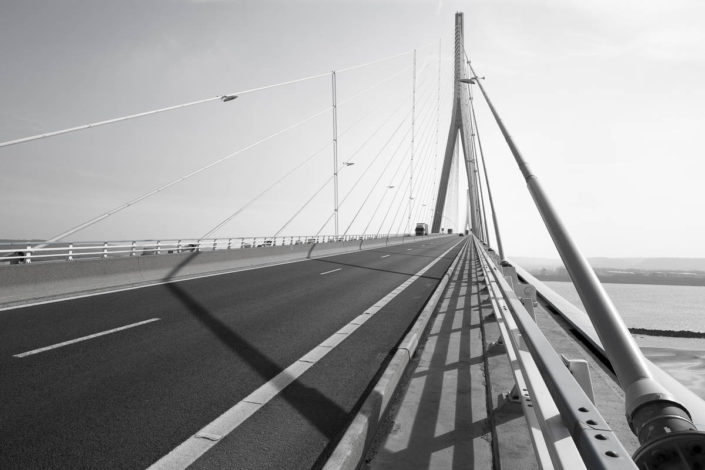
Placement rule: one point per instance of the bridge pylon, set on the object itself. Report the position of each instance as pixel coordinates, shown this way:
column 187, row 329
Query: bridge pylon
column 460, row 125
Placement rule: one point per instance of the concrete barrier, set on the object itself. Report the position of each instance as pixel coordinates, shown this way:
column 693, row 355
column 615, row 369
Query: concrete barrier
column 28, row 283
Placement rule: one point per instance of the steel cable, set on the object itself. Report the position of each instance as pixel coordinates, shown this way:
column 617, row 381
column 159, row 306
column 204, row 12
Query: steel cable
column 200, row 170
column 251, row 201
column 366, row 170
column 225, row 98
column 378, row 179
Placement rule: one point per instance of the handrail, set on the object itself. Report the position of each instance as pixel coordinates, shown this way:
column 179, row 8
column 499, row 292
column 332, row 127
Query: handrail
column 580, row 322
column 28, row 252
column 599, row 447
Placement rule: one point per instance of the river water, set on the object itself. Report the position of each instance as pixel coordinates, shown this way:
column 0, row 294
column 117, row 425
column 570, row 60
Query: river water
column 677, row 308
column 650, row 306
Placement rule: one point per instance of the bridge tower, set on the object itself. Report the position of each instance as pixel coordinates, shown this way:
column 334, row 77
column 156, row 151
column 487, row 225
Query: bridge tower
column 460, row 125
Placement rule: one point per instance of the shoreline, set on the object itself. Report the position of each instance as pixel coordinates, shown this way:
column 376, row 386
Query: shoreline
column 646, row 278
column 684, row 359
column 667, row 333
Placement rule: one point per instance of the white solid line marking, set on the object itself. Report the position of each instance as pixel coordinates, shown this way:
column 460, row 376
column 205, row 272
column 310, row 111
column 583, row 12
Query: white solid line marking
column 83, row 338
column 331, row 271
column 408, row 249
column 197, row 445
column 384, row 256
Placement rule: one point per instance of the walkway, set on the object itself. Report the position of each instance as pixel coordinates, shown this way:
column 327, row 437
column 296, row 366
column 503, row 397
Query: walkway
column 453, row 413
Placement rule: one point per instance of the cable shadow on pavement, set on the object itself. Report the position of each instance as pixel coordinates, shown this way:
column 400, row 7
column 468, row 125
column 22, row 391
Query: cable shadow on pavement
column 444, row 420
column 390, row 271
column 316, row 408
column 404, row 253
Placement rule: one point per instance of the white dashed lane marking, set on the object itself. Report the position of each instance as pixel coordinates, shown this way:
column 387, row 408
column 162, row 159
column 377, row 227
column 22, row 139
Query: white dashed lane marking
column 83, row 338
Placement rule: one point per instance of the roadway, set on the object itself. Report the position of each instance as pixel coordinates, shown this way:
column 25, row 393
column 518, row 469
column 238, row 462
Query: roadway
column 189, row 351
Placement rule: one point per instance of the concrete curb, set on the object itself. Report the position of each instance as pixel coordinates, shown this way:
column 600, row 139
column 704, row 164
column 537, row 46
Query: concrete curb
column 49, row 281
column 351, row 450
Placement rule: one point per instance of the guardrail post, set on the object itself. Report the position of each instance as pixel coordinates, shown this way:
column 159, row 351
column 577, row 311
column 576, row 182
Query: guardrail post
column 178, row 246
column 230, row 242
column 580, row 370
column 28, row 254
column 105, row 249
column 510, row 274
column 215, row 243
column 529, row 306
column 70, row 253
column 132, row 249
column 159, row 247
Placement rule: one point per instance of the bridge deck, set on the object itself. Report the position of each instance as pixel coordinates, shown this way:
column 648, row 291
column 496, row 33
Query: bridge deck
column 220, row 338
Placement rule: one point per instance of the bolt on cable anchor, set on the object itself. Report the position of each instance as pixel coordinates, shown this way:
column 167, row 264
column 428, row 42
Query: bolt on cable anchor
column 668, row 438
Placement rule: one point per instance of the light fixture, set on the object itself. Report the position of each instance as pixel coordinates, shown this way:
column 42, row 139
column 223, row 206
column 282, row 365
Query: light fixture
column 471, row 80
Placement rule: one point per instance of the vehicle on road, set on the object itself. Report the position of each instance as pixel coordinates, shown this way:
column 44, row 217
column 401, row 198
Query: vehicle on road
column 421, row 229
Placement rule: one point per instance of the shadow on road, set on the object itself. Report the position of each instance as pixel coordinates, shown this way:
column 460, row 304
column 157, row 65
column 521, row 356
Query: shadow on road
column 449, row 257
column 319, row 410
column 446, row 417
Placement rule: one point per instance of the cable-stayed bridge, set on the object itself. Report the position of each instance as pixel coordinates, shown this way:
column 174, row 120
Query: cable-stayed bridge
column 289, row 342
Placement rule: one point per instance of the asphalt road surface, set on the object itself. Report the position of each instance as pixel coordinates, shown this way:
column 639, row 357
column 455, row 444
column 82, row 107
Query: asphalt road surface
column 119, row 380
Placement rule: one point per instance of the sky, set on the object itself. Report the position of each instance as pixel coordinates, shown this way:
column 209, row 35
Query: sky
column 605, row 99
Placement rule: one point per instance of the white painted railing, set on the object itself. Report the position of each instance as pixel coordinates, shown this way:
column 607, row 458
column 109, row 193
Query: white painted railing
column 28, row 252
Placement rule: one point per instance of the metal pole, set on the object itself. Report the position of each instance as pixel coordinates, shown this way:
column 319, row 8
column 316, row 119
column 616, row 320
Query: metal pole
column 467, row 213
column 469, row 171
column 411, row 163
column 485, row 233
column 487, row 181
column 476, row 189
column 335, row 152
column 438, row 120
column 476, row 177
column 663, row 425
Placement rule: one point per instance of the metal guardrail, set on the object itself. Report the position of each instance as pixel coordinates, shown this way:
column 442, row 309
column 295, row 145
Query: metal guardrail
column 28, row 252
column 580, row 322
column 543, row 369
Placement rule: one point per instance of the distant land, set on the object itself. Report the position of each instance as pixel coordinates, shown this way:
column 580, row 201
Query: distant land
column 662, row 271
column 650, row 264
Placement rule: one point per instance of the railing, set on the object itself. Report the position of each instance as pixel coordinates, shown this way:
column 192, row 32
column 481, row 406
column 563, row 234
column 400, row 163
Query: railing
column 28, row 252
column 554, row 403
